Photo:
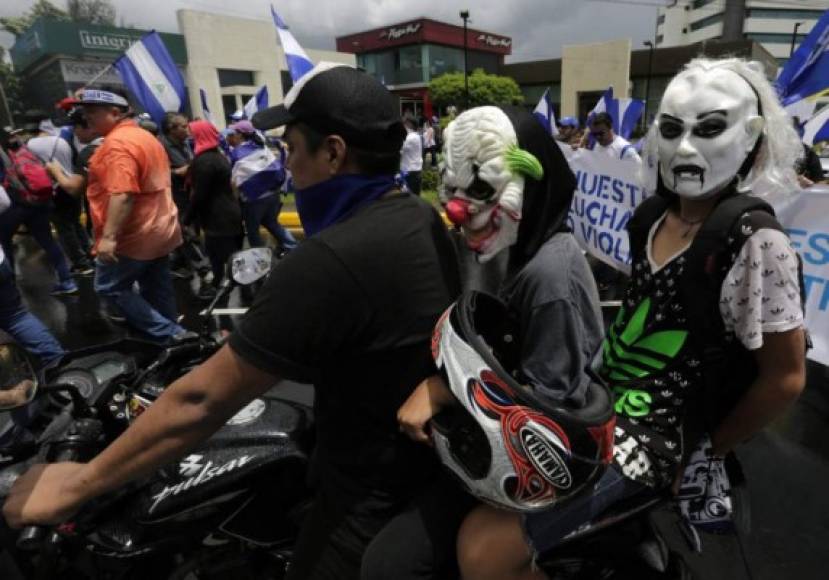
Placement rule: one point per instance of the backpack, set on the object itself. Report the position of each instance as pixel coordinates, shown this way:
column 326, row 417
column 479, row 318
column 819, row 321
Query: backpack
column 36, row 187
column 729, row 369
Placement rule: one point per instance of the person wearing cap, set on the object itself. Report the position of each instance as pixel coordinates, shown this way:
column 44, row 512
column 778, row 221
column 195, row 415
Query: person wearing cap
column 351, row 310
column 133, row 215
column 568, row 131
column 258, row 176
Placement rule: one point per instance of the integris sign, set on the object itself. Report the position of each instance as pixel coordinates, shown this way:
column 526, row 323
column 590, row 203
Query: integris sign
column 105, row 41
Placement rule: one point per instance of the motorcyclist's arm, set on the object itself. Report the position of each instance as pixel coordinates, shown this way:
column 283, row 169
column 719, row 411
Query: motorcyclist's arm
column 780, row 379
column 428, row 398
column 187, row 413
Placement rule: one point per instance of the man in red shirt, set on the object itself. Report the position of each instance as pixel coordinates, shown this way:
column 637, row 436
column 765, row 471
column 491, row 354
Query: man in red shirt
column 133, row 216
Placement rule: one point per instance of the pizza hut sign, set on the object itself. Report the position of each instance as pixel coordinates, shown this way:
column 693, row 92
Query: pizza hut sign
column 490, row 40
column 395, row 33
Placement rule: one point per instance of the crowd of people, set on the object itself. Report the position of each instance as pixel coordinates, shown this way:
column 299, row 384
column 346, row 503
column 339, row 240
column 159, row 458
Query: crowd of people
column 699, row 358
column 158, row 201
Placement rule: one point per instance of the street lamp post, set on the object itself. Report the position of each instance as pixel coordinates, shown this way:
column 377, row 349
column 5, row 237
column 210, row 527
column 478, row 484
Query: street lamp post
column 794, row 37
column 649, row 44
column 465, row 16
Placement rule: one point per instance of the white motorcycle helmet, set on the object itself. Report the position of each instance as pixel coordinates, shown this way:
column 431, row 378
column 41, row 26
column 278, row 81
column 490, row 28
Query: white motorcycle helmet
column 509, row 447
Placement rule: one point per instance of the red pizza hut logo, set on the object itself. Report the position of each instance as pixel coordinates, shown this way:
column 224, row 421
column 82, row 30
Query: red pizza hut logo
column 495, row 41
column 394, row 33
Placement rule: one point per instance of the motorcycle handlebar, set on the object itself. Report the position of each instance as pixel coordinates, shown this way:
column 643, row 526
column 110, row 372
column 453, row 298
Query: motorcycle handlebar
column 31, row 537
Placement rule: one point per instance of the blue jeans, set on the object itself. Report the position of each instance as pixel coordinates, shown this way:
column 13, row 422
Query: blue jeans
column 36, row 219
column 26, row 329
column 263, row 212
column 546, row 529
column 152, row 309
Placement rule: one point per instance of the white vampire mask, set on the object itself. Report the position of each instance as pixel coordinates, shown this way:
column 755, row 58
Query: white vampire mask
column 483, row 179
column 708, row 124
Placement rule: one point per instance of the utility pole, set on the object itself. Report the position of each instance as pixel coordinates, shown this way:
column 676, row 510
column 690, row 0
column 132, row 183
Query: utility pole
column 465, row 16
column 649, row 44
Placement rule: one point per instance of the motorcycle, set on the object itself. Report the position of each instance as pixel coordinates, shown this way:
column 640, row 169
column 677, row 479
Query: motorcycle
column 231, row 508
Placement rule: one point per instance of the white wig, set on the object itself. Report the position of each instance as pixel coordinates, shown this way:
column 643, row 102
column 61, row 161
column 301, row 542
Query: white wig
column 773, row 171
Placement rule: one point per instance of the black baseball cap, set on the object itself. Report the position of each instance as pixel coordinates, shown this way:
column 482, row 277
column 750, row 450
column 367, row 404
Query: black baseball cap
column 336, row 99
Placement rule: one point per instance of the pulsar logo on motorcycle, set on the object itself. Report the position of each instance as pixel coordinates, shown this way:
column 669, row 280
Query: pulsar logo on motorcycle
column 190, row 466
column 197, row 474
column 545, row 458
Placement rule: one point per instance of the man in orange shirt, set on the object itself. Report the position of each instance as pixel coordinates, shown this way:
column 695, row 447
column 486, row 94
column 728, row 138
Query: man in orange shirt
column 133, row 216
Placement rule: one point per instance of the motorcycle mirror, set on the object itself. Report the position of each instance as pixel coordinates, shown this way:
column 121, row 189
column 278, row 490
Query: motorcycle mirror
column 18, row 379
column 248, row 266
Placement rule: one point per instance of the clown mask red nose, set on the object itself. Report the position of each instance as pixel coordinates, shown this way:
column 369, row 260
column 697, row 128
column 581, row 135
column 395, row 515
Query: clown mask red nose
column 457, row 210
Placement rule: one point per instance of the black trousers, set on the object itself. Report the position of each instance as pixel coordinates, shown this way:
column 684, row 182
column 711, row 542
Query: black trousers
column 219, row 250
column 414, row 179
column 382, row 535
column 66, row 216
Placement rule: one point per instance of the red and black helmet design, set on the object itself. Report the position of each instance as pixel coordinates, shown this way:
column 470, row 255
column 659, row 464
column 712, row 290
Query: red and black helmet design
column 508, row 446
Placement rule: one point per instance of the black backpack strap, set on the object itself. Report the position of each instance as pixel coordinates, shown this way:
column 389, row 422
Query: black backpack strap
column 640, row 223
column 708, row 261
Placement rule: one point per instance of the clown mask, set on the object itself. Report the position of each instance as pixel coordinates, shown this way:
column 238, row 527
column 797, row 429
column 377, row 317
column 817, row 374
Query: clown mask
column 483, row 179
column 708, row 124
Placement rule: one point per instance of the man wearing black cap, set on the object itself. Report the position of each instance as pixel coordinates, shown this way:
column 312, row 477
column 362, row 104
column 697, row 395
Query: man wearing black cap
column 351, row 310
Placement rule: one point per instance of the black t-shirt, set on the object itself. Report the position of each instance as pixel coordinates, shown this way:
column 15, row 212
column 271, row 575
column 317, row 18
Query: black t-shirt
column 352, row 310
column 212, row 202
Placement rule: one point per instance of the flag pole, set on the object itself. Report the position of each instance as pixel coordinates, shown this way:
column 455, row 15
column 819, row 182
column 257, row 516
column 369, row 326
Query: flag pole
column 99, row 75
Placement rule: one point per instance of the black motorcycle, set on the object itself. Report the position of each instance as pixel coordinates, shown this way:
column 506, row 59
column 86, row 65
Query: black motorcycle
column 229, row 509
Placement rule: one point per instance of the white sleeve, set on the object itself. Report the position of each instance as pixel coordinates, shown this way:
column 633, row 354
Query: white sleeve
column 5, row 202
column 761, row 291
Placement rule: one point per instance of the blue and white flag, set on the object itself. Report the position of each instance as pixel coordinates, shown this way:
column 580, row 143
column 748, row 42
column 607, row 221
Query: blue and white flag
column 629, row 111
column 258, row 102
column 817, row 129
column 545, row 114
column 807, row 71
column 150, row 74
column 624, row 112
column 257, row 172
column 205, row 109
column 298, row 61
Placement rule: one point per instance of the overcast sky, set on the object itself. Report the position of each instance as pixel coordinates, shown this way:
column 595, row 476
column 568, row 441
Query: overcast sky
column 538, row 27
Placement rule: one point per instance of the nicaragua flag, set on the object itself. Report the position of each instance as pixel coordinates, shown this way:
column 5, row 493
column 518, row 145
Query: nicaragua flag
column 257, row 102
column 629, row 111
column 298, row 61
column 205, row 110
column 150, row 74
column 545, row 114
column 257, row 172
column 807, row 71
column 817, row 129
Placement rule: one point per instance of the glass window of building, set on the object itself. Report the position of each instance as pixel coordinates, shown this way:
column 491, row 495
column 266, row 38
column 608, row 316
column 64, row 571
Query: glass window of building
column 409, row 65
column 774, row 37
column 784, row 13
column 444, row 59
column 229, row 105
column 232, row 78
column 707, row 21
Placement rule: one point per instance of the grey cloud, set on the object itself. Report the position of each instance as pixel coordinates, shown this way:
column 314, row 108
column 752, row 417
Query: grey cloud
column 539, row 27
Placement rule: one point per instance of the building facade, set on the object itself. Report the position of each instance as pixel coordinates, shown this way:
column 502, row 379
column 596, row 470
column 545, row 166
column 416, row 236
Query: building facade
column 54, row 58
column 575, row 87
column 230, row 58
column 405, row 57
column 771, row 24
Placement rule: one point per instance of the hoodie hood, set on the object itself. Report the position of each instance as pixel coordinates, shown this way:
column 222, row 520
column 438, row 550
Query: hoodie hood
column 205, row 136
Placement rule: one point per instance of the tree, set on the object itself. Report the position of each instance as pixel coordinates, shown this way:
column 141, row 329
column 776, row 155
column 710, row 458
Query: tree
column 100, row 12
column 17, row 25
column 484, row 89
